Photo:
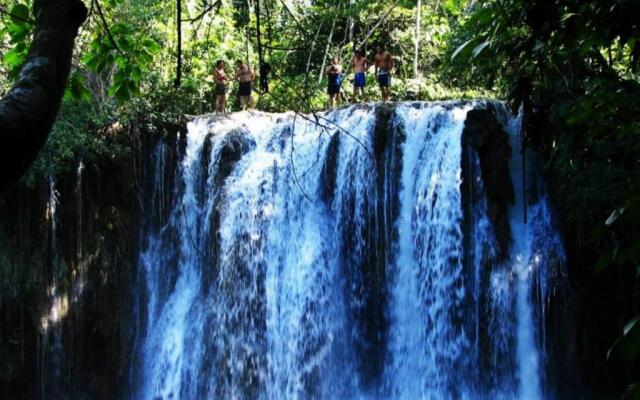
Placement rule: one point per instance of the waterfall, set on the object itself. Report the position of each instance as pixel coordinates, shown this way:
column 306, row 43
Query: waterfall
column 335, row 256
column 536, row 244
column 54, row 305
column 426, row 342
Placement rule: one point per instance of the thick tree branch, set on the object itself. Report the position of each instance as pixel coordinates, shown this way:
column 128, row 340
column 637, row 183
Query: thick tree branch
column 29, row 110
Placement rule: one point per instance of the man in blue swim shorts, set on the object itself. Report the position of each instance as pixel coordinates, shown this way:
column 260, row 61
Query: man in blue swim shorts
column 360, row 65
column 384, row 64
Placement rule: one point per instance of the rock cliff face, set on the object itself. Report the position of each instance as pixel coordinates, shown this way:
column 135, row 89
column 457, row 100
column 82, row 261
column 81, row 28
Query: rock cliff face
column 484, row 134
column 69, row 252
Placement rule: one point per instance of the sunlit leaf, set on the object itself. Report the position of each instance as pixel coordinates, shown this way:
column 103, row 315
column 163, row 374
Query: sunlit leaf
column 567, row 16
column 19, row 13
column 627, row 347
column 614, row 216
column 478, row 49
column 632, row 392
column 460, row 49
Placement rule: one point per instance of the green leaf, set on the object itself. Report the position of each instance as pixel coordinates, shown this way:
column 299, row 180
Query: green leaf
column 20, row 14
column 567, row 16
column 460, row 49
column 614, row 216
column 13, row 58
column 136, row 74
column 484, row 15
column 18, row 30
column 538, row 46
column 627, row 347
column 478, row 49
column 123, row 93
column 77, row 88
column 121, row 61
column 632, row 393
column 92, row 62
column 630, row 325
column 151, row 46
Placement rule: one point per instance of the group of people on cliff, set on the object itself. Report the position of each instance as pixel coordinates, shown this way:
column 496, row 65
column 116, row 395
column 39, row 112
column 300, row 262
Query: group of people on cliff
column 383, row 63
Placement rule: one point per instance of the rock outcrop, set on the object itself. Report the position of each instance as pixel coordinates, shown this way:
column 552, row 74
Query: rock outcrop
column 484, row 134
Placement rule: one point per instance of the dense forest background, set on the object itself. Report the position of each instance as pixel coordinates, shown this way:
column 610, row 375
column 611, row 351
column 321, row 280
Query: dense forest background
column 571, row 66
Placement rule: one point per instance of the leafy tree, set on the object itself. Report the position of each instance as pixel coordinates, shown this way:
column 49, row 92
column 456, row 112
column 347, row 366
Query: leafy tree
column 573, row 68
column 29, row 109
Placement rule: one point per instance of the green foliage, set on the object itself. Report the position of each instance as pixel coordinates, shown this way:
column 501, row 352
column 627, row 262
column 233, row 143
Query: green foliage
column 128, row 47
column 125, row 61
column 122, row 51
column 554, row 56
column 576, row 64
column 18, row 29
column 75, row 136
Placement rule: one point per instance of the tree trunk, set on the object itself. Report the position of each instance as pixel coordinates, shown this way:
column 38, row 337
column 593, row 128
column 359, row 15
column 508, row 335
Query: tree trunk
column 416, row 41
column 29, row 110
column 178, row 80
column 258, row 32
column 326, row 52
column 351, row 22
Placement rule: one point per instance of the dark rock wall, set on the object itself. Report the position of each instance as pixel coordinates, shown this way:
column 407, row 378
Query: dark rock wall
column 89, row 255
column 484, row 134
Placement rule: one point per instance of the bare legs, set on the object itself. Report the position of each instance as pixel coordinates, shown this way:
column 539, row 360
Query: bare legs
column 221, row 103
column 358, row 90
column 334, row 100
column 385, row 93
column 246, row 102
column 243, row 102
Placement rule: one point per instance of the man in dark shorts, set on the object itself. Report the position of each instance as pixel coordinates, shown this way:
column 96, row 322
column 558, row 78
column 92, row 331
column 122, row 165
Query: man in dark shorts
column 384, row 64
column 220, row 78
column 334, row 75
column 360, row 65
column 245, row 77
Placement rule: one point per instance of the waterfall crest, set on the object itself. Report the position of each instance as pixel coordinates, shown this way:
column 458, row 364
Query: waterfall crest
column 347, row 254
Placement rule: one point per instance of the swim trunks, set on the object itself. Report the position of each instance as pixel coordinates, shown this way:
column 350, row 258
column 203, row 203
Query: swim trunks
column 384, row 78
column 359, row 80
column 335, row 81
column 245, row 89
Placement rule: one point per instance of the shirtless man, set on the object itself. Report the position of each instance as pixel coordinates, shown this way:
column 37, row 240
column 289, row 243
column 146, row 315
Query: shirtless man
column 334, row 75
column 360, row 65
column 245, row 77
column 384, row 64
column 220, row 78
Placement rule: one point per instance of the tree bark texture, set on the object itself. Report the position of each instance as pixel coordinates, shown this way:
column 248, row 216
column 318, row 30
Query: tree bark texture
column 29, row 109
column 178, row 80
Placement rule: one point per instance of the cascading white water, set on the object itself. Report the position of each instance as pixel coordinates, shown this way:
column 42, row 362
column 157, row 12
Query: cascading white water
column 427, row 287
column 527, row 352
column 302, row 259
column 535, row 241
